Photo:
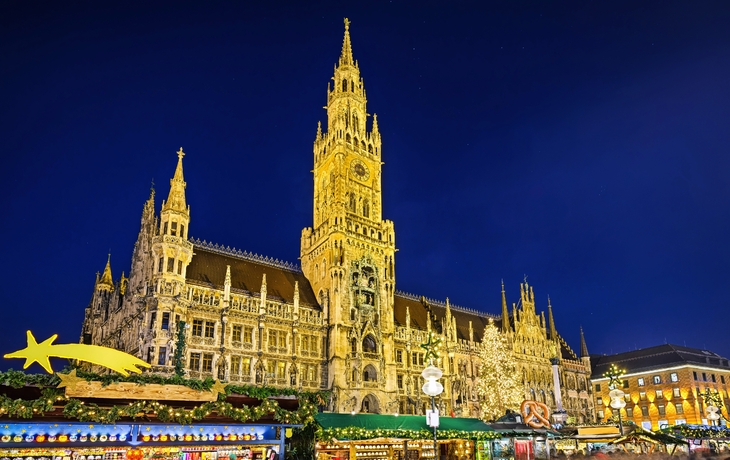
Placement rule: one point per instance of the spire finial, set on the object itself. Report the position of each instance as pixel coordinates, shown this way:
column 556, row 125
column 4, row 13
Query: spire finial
column 106, row 277
column 176, row 197
column 583, row 346
column 551, row 322
column 346, row 56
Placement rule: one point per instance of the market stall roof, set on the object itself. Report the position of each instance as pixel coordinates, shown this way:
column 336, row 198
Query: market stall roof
column 641, row 435
column 400, row 422
column 521, row 429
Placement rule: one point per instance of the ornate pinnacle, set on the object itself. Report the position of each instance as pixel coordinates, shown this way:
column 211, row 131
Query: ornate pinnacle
column 346, row 56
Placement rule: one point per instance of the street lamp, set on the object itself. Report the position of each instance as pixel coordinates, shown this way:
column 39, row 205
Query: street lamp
column 614, row 375
column 618, row 403
column 713, row 402
column 432, row 388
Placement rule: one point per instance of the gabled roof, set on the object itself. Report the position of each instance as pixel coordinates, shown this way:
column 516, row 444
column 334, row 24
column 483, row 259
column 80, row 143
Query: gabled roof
column 657, row 357
column 208, row 267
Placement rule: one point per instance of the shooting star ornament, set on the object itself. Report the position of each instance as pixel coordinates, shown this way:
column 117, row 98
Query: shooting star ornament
column 116, row 360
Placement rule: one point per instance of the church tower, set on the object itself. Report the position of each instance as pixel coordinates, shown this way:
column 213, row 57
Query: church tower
column 171, row 255
column 347, row 254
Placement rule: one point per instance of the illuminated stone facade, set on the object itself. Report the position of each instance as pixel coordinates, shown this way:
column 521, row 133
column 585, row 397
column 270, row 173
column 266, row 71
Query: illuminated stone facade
column 663, row 385
column 338, row 323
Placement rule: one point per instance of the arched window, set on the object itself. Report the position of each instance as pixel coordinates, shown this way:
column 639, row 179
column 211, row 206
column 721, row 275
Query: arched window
column 353, row 344
column 344, row 84
column 352, row 202
column 370, row 148
column 348, row 138
column 352, row 86
column 366, row 208
column 368, row 344
column 370, row 374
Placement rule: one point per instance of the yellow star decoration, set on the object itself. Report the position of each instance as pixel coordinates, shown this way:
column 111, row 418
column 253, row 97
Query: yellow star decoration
column 218, row 388
column 40, row 353
column 69, row 380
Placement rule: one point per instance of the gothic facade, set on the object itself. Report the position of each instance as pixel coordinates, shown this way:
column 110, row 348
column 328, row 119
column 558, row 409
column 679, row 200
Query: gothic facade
column 337, row 322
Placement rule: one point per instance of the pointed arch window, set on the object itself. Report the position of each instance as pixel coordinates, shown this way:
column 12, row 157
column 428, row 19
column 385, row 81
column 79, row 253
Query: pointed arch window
column 366, row 208
column 344, row 85
column 368, row 344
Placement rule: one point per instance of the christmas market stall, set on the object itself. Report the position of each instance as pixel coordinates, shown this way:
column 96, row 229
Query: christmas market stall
column 701, row 438
column 585, row 439
column 523, row 435
column 397, row 437
column 79, row 415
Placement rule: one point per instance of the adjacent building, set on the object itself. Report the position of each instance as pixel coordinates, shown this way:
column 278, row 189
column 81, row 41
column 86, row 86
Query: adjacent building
column 663, row 385
column 337, row 322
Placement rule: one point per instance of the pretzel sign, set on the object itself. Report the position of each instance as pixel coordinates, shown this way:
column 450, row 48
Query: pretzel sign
column 531, row 416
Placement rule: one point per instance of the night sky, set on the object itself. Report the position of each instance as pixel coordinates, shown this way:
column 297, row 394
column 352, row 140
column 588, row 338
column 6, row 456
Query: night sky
column 583, row 144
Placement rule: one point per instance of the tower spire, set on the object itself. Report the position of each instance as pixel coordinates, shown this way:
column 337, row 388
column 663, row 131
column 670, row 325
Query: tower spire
column 505, row 312
column 551, row 325
column 346, row 56
column 583, row 346
column 176, row 198
column 106, row 277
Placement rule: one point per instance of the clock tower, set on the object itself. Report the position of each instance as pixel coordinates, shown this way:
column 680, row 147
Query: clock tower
column 347, row 254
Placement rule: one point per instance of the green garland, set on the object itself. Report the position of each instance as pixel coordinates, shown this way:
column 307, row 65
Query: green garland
column 90, row 412
column 699, row 431
column 354, row 433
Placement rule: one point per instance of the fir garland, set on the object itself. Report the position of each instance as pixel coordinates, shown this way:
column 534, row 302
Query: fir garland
column 354, row 433
column 699, row 431
column 90, row 412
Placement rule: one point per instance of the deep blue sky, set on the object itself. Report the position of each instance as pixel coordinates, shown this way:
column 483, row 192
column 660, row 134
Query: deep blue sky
column 585, row 144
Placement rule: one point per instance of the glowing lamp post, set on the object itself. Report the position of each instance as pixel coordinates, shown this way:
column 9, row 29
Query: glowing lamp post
column 713, row 402
column 432, row 387
column 614, row 375
column 618, row 403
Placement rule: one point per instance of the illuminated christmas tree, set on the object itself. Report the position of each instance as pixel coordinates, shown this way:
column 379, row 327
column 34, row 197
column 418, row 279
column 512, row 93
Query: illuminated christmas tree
column 498, row 385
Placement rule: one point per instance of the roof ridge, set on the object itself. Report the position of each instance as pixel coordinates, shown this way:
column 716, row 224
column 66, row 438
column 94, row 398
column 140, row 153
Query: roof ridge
column 245, row 255
column 410, row 296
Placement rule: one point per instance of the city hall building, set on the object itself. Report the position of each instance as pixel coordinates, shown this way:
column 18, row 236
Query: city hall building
column 337, row 322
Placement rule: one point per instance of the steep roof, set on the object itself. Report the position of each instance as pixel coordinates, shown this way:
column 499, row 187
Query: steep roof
column 657, row 357
column 419, row 308
column 209, row 263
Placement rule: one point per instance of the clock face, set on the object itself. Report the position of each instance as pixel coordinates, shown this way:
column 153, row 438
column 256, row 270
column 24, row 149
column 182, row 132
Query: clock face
column 359, row 169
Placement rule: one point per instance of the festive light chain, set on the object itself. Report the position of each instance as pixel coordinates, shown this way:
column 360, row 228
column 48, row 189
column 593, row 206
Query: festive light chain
column 79, row 410
column 696, row 432
column 354, row 433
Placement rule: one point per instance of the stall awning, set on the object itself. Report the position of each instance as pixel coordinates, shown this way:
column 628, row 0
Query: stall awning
column 401, row 423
